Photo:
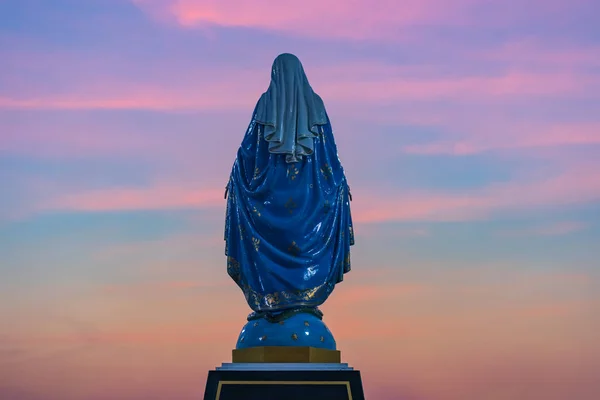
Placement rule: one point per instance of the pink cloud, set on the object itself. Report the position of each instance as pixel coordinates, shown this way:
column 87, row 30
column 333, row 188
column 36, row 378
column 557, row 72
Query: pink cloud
column 349, row 87
column 534, row 53
column 203, row 98
column 153, row 198
column 31, row 138
column 167, row 86
column 508, row 136
column 470, row 88
column 356, row 20
column 190, row 86
column 576, row 185
column 346, row 89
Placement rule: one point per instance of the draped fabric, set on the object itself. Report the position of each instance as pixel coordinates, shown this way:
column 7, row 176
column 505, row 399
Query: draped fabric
column 288, row 227
column 290, row 110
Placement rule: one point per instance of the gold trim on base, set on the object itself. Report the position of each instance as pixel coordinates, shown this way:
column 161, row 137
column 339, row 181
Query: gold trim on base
column 344, row 383
column 285, row 354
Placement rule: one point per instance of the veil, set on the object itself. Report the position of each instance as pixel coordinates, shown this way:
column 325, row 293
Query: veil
column 290, row 111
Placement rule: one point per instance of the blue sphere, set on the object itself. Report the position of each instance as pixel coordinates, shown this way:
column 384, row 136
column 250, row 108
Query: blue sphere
column 302, row 329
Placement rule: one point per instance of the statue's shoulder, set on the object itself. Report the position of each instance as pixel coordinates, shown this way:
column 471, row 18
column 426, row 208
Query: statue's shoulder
column 318, row 99
column 320, row 106
column 260, row 109
column 261, row 100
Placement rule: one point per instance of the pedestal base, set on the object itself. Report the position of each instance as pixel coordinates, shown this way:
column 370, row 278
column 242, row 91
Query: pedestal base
column 285, row 354
column 304, row 381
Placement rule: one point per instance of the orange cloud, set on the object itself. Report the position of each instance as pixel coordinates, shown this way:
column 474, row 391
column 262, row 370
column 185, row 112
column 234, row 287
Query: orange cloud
column 361, row 293
column 504, row 330
column 162, row 286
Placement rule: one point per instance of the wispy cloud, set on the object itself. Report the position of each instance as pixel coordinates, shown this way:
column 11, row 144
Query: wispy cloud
column 165, row 286
column 467, row 88
column 535, row 53
column 555, row 229
column 152, row 198
column 577, row 185
column 151, row 98
column 349, row 89
column 509, row 136
column 357, row 20
column 175, row 244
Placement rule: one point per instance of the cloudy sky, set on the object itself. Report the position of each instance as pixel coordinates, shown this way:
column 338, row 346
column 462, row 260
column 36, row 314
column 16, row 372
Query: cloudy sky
column 470, row 135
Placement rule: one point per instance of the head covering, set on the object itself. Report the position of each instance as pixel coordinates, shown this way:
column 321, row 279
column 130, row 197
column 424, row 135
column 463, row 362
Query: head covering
column 289, row 110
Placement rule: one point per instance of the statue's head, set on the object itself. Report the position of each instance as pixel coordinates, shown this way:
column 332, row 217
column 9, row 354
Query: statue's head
column 284, row 64
column 287, row 58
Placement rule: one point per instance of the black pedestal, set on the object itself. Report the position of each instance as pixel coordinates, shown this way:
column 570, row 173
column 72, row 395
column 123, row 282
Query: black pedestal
column 284, row 385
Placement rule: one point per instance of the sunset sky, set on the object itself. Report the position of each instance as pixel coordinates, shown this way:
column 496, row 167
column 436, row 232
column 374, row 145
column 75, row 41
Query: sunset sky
column 470, row 135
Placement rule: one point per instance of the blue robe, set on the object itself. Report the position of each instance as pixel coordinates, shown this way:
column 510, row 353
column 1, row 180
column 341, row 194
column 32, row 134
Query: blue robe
column 288, row 227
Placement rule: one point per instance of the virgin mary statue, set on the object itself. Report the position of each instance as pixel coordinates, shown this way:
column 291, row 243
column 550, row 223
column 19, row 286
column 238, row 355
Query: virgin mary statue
column 288, row 228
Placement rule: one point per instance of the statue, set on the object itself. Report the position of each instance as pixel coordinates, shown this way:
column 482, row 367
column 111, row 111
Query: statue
column 288, row 228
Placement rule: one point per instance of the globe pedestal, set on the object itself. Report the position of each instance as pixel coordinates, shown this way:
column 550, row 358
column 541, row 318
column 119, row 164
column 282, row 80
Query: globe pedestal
column 300, row 329
column 294, row 358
